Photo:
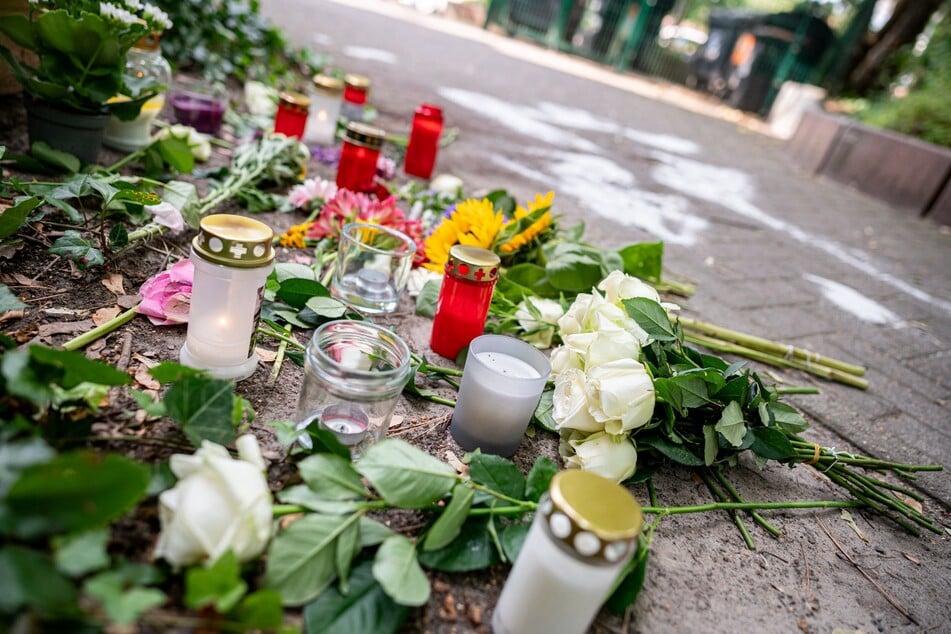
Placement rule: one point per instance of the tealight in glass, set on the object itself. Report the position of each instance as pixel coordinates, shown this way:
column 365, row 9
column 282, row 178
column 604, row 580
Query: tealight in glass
column 354, row 372
column 373, row 265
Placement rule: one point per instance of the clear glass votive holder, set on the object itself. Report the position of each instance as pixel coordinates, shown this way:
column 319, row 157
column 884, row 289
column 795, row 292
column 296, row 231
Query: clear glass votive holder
column 502, row 381
column 373, row 265
column 354, row 372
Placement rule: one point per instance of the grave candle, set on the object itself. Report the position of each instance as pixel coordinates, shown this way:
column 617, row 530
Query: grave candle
column 232, row 257
column 358, row 158
column 355, row 93
column 583, row 534
column 501, row 383
column 291, row 117
column 325, row 101
column 464, row 298
column 423, row 141
column 202, row 112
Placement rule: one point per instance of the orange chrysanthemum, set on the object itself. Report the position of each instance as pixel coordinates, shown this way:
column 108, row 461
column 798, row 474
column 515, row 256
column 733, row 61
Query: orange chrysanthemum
column 473, row 222
column 531, row 232
column 293, row 238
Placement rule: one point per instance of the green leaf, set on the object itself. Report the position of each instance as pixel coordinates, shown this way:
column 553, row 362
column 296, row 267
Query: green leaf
column 731, row 424
column 170, row 371
column 539, row 478
column 302, row 495
column 57, row 159
column 76, row 368
column 30, row 381
column 72, row 492
column 427, row 298
column 498, row 474
column 372, row 532
column 574, row 267
column 76, row 555
column 324, row 441
column 18, row 455
column 405, row 476
column 260, row 610
column 366, row 608
column 446, row 528
column 176, row 153
column 643, row 260
column 72, row 246
column 651, row 317
column 471, row 550
column 513, row 538
column 398, row 571
column 711, row 445
column 203, row 407
column 772, row 444
column 543, row 415
column 296, row 291
column 734, row 390
column 288, row 270
column 184, row 197
column 122, row 606
column 525, row 280
column 13, row 217
column 301, row 560
column 219, row 584
column 788, row 418
column 118, row 236
column 28, row 578
column 693, row 391
column 630, row 581
column 669, row 391
column 327, row 307
column 677, row 453
column 331, row 477
column 348, row 547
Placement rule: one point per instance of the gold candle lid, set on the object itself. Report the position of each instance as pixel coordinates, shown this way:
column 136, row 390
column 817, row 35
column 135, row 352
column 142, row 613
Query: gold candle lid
column 365, row 135
column 295, row 101
column 473, row 263
column 592, row 517
column 360, row 82
column 234, row 241
column 328, row 84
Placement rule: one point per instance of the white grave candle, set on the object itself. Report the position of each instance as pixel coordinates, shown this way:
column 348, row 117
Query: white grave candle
column 501, row 384
column 325, row 101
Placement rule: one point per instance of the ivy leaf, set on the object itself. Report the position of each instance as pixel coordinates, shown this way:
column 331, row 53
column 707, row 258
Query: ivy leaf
column 711, row 445
column 539, row 478
column 28, row 578
column 13, row 217
column 652, row 317
column 405, row 476
column 203, row 407
column 471, row 550
column 366, row 608
column 398, row 571
column 498, row 474
column 643, row 260
column 260, row 610
column 72, row 492
column 331, row 477
column 296, row 291
column 82, row 553
column 72, row 246
column 301, row 560
column 427, row 298
column 771, row 443
column 731, row 424
column 446, row 528
column 118, row 236
column 123, row 606
column 219, row 583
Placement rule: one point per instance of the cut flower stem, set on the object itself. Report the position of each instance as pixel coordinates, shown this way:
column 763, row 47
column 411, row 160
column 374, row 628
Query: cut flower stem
column 87, row 338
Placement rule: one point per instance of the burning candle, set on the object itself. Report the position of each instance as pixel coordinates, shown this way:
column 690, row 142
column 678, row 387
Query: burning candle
column 464, row 298
column 583, row 535
column 361, row 151
column 325, row 102
column 291, row 117
column 501, row 383
column 355, row 94
column 232, row 257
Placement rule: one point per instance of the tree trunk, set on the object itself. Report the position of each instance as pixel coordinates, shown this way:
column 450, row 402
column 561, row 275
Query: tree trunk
column 908, row 20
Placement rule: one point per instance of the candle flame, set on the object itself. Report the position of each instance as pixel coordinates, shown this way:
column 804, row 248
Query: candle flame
column 321, row 115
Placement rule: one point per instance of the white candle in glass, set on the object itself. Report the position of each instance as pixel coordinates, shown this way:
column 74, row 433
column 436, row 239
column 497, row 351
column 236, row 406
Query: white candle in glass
column 501, row 384
column 232, row 257
column 325, row 101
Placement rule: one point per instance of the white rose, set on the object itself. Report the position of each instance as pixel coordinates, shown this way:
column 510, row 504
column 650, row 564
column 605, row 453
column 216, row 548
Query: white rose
column 538, row 332
column 608, row 346
column 198, row 144
column 617, row 286
column 573, row 321
column 570, row 403
column 620, row 395
column 562, row 359
column 609, row 456
column 219, row 504
column 446, row 184
column 260, row 99
column 418, row 278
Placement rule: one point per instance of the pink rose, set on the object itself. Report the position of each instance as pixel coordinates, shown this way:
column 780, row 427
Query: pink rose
column 166, row 297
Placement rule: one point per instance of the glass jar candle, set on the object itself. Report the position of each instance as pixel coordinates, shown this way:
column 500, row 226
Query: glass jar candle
column 202, row 111
column 423, row 141
column 232, row 257
column 354, row 372
column 355, row 93
column 584, row 533
column 464, row 298
column 143, row 61
column 291, row 117
column 373, row 265
column 358, row 158
column 325, row 101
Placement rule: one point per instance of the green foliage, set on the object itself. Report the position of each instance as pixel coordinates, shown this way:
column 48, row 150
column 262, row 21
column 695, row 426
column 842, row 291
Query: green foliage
column 366, row 608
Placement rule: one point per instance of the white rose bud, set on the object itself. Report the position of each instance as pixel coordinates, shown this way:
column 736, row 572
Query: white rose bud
column 620, row 395
column 617, row 286
column 538, row 333
column 570, row 403
column 219, row 504
column 446, row 184
column 609, row 456
column 562, row 359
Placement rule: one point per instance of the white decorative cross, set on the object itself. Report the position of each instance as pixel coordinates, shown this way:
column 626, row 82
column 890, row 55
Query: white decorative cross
column 238, row 250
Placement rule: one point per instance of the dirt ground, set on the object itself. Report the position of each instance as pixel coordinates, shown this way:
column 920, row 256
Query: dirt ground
column 822, row 575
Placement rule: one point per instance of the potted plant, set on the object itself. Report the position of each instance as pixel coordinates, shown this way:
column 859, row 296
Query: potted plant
column 81, row 46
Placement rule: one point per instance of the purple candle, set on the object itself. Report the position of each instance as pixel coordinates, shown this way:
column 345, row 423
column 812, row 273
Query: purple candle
column 202, row 112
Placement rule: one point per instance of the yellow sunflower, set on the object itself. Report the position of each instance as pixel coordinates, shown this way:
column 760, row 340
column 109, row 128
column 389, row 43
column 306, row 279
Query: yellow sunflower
column 531, row 232
column 473, row 222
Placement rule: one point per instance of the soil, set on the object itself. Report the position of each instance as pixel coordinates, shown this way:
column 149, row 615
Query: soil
column 701, row 577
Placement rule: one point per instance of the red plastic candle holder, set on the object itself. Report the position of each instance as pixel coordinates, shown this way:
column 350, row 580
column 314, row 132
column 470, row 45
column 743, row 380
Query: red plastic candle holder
column 291, row 117
column 464, row 298
column 358, row 158
column 423, row 141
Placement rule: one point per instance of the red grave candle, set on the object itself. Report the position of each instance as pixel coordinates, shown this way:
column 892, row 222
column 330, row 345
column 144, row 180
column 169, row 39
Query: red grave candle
column 464, row 298
column 291, row 117
column 423, row 141
column 358, row 158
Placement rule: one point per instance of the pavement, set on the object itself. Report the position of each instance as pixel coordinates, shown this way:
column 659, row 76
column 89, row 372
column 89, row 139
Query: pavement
column 772, row 250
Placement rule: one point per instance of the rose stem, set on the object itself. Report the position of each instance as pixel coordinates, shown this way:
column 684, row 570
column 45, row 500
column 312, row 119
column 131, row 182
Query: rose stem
column 87, row 338
column 759, row 519
column 720, row 497
column 279, row 359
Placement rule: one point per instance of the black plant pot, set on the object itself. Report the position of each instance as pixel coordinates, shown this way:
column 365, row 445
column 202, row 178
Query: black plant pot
column 79, row 133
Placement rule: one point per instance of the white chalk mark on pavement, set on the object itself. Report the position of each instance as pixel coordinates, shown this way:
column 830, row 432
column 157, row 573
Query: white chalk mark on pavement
column 851, row 301
column 665, row 142
column 371, row 54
